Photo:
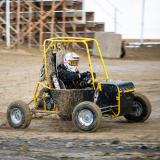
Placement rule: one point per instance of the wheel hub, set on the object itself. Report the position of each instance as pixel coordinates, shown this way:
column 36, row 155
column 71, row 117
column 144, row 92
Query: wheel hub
column 85, row 117
column 137, row 109
column 16, row 116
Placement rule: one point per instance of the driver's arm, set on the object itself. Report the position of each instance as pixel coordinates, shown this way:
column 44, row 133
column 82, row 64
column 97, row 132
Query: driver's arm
column 87, row 75
column 65, row 75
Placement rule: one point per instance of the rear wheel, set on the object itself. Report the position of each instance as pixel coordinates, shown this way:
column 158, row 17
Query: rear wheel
column 86, row 116
column 141, row 109
column 19, row 115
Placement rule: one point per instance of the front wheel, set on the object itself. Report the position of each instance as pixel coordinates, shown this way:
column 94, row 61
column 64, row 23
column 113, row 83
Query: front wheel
column 141, row 109
column 19, row 115
column 86, row 116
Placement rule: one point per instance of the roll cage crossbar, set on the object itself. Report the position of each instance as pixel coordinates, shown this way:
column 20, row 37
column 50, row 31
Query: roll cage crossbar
column 48, row 43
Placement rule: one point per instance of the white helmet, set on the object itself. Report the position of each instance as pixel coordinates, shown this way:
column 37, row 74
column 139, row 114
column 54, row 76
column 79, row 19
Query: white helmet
column 70, row 61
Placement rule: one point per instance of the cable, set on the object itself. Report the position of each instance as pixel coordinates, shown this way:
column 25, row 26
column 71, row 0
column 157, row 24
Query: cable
column 114, row 6
column 101, row 6
column 110, row 15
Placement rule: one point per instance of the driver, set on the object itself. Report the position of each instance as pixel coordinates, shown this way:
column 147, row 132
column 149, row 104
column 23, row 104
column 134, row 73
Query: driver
column 69, row 74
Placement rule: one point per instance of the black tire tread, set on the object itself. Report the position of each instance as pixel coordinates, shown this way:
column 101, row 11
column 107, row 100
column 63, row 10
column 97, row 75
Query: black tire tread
column 147, row 103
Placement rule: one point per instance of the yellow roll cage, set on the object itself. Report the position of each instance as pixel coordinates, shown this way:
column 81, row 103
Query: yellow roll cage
column 48, row 43
column 85, row 41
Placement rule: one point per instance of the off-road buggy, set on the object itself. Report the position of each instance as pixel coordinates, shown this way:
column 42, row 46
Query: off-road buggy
column 85, row 106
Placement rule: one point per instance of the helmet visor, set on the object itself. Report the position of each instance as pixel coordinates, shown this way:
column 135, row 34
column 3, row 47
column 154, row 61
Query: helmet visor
column 73, row 62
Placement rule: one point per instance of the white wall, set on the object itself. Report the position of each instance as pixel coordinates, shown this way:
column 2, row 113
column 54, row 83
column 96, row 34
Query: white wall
column 129, row 16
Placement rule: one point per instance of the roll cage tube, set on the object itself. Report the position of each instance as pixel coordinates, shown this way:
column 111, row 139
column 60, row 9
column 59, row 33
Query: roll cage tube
column 76, row 40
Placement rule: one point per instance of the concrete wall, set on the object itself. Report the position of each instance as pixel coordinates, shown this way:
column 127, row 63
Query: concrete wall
column 110, row 44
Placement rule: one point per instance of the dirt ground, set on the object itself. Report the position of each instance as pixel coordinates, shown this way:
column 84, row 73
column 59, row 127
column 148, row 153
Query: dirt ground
column 51, row 138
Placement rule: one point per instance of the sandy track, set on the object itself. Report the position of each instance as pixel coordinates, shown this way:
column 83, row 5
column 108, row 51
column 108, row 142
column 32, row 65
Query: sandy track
column 50, row 138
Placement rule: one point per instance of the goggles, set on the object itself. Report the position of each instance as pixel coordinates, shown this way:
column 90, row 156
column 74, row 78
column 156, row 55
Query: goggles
column 73, row 62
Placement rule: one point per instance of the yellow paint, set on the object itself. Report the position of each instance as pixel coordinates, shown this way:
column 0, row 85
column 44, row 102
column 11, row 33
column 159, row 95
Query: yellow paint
column 36, row 90
column 99, row 87
column 35, row 95
column 43, row 85
column 90, row 63
column 129, row 90
column 118, row 98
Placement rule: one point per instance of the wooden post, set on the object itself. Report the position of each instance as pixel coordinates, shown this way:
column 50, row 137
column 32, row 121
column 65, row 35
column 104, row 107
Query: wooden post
column 64, row 19
column 41, row 23
column 18, row 22
column 30, row 25
column 74, row 23
column 53, row 20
